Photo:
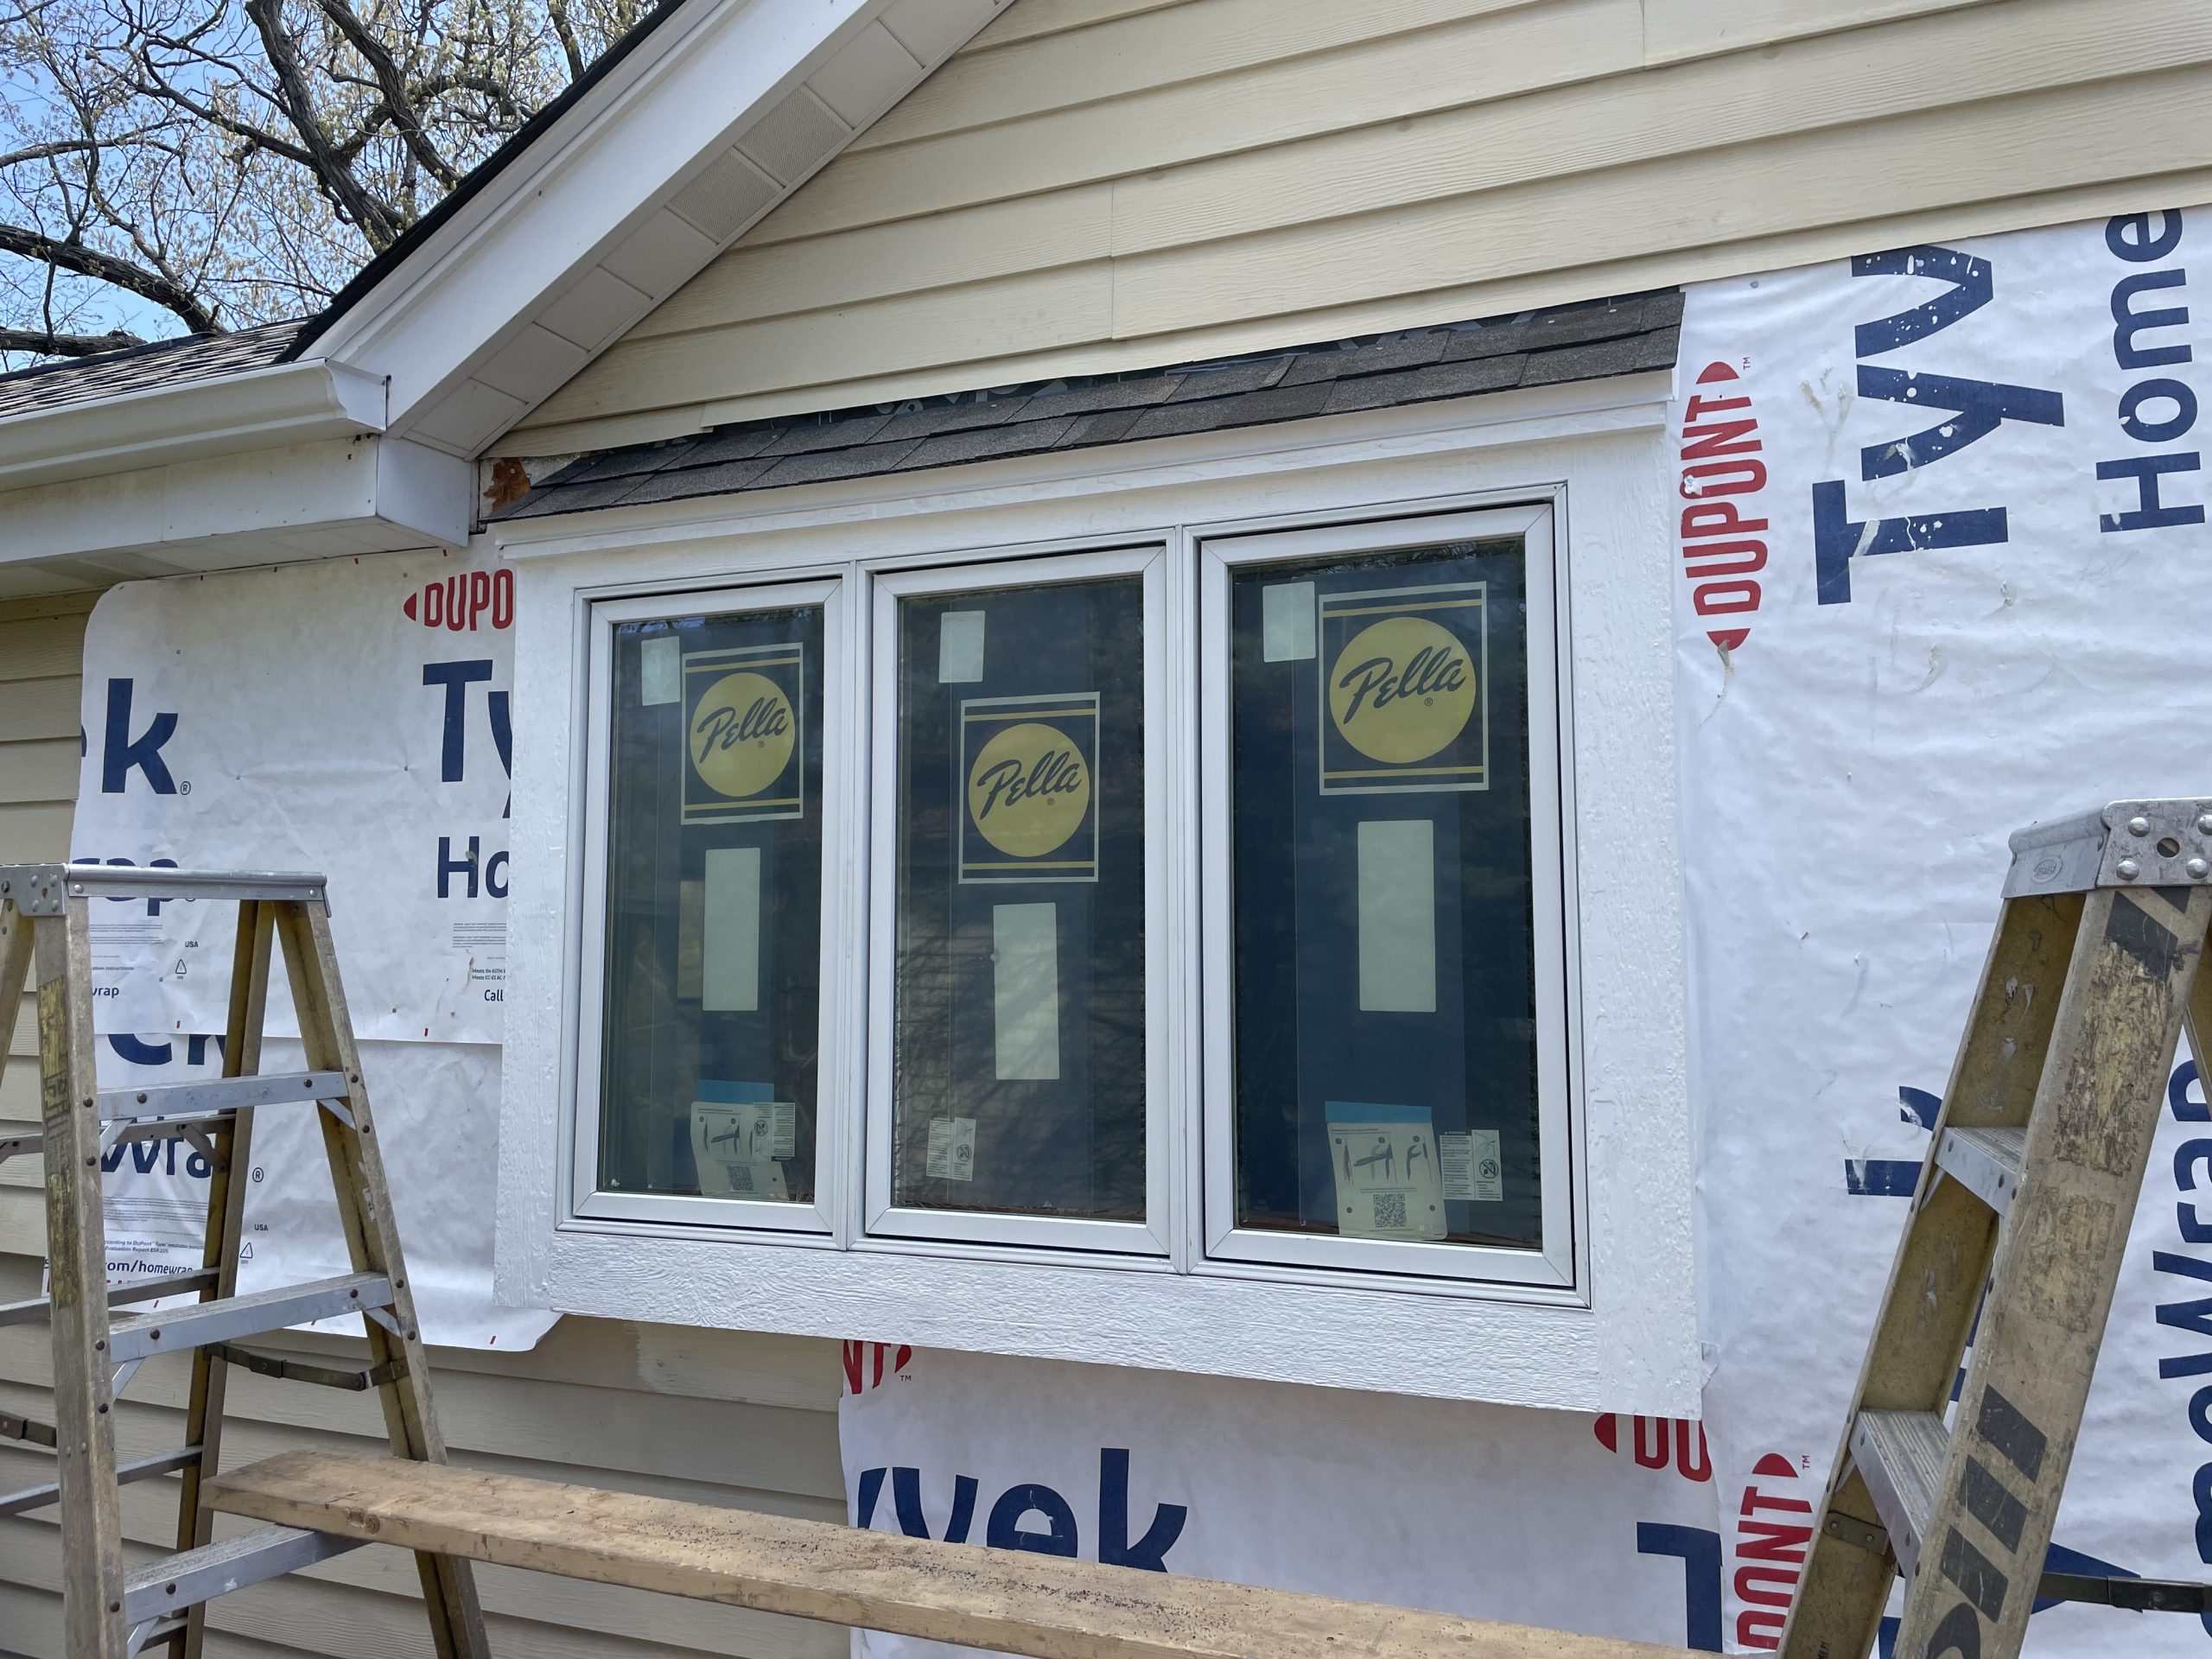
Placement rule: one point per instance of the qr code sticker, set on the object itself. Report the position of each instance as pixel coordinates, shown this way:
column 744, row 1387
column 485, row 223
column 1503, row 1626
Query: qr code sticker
column 1390, row 1209
column 741, row 1177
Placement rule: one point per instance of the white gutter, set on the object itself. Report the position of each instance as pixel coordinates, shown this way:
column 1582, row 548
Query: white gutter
column 286, row 405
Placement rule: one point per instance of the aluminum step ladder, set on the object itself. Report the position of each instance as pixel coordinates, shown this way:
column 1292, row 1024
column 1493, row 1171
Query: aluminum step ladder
column 2014, row 1245
column 110, row 1609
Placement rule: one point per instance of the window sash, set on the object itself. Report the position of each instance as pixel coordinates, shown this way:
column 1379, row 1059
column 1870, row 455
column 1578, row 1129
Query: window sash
column 587, row 1199
column 1224, row 1244
column 1190, row 1083
column 881, row 1218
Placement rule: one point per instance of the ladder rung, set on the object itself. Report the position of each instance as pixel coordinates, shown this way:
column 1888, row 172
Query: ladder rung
column 44, row 889
column 213, row 1098
column 26, row 1141
column 246, row 1316
column 1986, row 1162
column 13, row 1428
column 193, row 1576
column 140, row 1290
column 288, row 1369
column 2140, row 1595
column 1899, row 1454
column 161, row 1463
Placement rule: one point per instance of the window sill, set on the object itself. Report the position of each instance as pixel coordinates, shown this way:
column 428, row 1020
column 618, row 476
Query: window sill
column 1506, row 1344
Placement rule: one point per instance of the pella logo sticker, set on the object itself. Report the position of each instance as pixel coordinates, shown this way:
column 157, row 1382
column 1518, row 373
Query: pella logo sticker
column 1029, row 795
column 743, row 733
column 1405, row 696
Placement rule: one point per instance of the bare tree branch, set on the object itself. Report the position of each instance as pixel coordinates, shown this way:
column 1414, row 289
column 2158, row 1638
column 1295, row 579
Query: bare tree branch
column 393, row 84
column 239, row 159
column 43, row 343
column 557, row 11
column 61, row 255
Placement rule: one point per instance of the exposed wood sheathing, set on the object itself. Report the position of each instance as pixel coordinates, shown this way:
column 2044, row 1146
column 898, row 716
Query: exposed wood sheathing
column 1096, row 185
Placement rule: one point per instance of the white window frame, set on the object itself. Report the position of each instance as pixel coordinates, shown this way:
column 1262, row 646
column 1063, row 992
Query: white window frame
column 884, row 1219
column 1623, row 1338
column 587, row 1198
column 1220, row 558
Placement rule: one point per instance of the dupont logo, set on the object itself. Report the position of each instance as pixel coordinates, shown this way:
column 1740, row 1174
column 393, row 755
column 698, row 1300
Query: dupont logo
column 464, row 603
column 1721, row 547
column 1660, row 1441
column 888, row 1361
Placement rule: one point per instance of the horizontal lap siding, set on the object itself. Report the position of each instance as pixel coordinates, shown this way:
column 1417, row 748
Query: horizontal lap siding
column 1102, row 184
column 712, row 1417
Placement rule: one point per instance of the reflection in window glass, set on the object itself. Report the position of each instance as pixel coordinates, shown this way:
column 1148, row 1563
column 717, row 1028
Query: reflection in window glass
column 1385, row 978
column 1018, row 1005
column 714, row 907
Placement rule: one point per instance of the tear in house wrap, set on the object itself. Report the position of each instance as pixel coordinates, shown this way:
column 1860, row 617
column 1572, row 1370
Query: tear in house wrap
column 1938, row 519
column 349, row 717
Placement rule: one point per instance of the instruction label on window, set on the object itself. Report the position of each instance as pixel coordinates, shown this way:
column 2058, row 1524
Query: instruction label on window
column 735, row 1148
column 1389, row 1179
column 952, row 1149
column 1471, row 1169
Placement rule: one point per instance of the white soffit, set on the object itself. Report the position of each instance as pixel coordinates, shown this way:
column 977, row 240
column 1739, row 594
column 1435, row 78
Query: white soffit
column 725, row 110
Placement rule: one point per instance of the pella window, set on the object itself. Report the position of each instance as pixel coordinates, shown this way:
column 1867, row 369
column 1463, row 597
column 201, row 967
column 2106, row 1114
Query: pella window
column 1387, row 969
column 712, row 750
column 1012, row 1083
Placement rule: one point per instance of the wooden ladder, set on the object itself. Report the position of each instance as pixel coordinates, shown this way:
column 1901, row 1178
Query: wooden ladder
column 111, row 1610
column 2014, row 1245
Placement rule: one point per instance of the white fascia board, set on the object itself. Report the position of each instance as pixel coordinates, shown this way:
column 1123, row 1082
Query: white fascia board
column 287, row 405
column 684, row 95
column 355, row 490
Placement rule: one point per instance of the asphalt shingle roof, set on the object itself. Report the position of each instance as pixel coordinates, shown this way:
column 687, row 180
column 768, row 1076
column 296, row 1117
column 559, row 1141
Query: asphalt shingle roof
column 1577, row 342
column 166, row 362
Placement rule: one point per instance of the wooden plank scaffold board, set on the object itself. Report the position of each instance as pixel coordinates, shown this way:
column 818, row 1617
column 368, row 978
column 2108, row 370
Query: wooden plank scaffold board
column 1008, row 1600
column 2014, row 1245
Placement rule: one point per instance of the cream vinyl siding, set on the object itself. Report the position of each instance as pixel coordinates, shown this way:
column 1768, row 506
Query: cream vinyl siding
column 715, row 1417
column 1093, row 184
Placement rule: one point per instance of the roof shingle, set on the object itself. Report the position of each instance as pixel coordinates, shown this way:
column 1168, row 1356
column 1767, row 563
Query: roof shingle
column 1574, row 342
column 166, row 362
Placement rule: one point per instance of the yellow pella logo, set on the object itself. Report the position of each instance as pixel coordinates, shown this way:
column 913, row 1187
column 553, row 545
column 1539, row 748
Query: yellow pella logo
column 1028, row 790
column 741, row 734
column 1402, row 690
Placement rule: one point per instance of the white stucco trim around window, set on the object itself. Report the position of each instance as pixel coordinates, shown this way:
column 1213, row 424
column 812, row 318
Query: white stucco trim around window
column 1624, row 1338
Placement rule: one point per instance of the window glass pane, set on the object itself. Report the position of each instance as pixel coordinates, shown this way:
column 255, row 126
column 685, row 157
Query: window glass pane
column 1018, row 1080
column 1384, row 915
column 714, row 907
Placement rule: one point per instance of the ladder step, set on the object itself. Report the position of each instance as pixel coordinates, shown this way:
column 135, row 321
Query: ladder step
column 30, row 1429
column 145, row 1334
column 216, row 1097
column 161, row 1463
column 1900, row 1454
column 20, row 1143
column 185, row 1579
column 45, row 889
column 1986, row 1162
column 142, row 1290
